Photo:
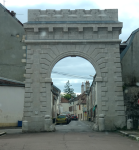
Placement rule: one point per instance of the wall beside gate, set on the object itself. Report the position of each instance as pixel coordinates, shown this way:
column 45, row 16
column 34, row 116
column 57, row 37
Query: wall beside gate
column 92, row 34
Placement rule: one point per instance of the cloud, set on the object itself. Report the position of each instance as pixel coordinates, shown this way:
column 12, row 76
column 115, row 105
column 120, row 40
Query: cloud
column 129, row 25
column 72, row 65
column 128, row 14
column 31, row 3
column 75, row 65
column 22, row 8
column 128, row 9
column 76, row 83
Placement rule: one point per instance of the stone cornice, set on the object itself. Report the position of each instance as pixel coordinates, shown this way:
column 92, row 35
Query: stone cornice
column 68, row 25
column 74, row 41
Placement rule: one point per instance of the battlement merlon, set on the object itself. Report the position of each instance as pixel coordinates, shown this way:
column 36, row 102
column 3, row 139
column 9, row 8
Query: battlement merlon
column 73, row 15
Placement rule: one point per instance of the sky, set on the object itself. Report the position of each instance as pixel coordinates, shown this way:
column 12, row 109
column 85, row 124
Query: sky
column 128, row 13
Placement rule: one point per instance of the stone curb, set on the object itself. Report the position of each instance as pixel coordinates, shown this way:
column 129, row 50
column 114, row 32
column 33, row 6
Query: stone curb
column 129, row 135
column 2, row 133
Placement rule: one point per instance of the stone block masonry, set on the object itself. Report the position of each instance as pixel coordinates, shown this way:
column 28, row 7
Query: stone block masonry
column 55, row 34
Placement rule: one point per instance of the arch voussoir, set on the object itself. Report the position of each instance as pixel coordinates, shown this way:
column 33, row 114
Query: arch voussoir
column 50, row 39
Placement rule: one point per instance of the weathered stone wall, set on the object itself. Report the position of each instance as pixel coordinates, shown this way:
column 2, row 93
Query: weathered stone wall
column 72, row 15
column 49, row 41
column 130, row 71
column 11, row 52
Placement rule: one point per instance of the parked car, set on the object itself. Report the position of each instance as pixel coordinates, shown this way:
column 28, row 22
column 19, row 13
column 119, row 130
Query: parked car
column 74, row 117
column 69, row 119
column 62, row 119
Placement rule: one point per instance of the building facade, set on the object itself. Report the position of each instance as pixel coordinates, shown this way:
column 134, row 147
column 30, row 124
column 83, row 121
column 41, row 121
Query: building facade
column 64, row 105
column 129, row 59
column 130, row 74
column 11, row 102
column 11, row 52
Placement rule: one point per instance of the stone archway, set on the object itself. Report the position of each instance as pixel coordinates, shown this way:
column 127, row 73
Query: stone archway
column 52, row 35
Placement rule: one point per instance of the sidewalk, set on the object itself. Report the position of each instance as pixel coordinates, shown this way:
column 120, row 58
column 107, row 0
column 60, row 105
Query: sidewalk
column 131, row 134
column 89, row 123
column 2, row 132
column 10, row 130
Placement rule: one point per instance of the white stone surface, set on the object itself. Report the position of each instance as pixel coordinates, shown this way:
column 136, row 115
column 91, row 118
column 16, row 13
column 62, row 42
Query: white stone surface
column 11, row 105
column 48, row 126
column 65, row 107
column 129, row 124
column 101, row 122
column 91, row 34
column 24, row 126
column 73, row 15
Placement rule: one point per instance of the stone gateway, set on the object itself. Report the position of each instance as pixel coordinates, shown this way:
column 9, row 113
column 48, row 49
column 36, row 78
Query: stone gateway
column 55, row 34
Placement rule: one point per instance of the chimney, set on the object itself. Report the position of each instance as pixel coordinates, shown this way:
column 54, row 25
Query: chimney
column 82, row 88
column 87, row 85
column 13, row 13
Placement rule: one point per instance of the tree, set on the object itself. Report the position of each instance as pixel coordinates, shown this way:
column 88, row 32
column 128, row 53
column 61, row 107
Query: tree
column 69, row 92
column 67, row 96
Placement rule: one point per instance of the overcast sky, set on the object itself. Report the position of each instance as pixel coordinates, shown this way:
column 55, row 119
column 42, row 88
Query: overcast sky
column 128, row 12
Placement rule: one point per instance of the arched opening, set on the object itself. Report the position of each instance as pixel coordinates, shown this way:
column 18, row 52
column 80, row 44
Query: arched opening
column 90, row 39
column 74, row 54
column 80, row 74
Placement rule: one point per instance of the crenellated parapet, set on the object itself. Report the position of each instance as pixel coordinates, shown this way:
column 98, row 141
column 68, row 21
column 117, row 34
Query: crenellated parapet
column 52, row 35
column 73, row 15
column 66, row 24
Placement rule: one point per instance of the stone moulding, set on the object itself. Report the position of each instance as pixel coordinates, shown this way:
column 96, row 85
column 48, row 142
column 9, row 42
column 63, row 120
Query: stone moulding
column 52, row 35
column 71, row 24
column 71, row 41
column 98, row 79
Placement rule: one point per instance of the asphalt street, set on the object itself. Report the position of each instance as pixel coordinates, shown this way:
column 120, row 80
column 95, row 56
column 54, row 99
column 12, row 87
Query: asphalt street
column 75, row 136
column 74, row 126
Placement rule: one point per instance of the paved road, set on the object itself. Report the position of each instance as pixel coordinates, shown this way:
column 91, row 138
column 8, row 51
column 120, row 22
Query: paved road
column 74, row 126
column 75, row 136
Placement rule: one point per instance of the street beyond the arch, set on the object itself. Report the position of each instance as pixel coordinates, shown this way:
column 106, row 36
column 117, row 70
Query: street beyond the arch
column 69, row 77
column 77, row 135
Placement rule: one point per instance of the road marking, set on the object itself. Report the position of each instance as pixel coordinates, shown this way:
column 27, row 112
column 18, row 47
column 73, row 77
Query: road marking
column 79, row 125
column 64, row 125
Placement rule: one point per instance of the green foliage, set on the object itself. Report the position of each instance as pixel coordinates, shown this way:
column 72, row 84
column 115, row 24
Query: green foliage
column 67, row 88
column 67, row 96
column 69, row 92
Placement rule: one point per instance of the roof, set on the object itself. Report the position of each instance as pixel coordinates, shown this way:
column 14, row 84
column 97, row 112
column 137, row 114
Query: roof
column 84, row 101
column 82, row 97
column 128, row 42
column 10, row 82
column 12, row 13
column 56, row 88
column 73, row 99
column 63, row 100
